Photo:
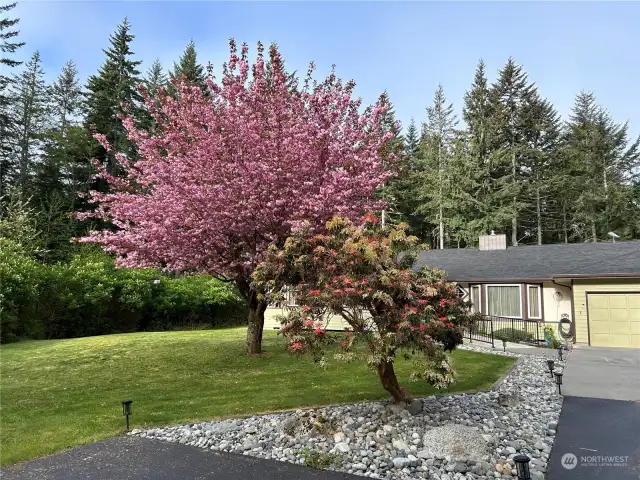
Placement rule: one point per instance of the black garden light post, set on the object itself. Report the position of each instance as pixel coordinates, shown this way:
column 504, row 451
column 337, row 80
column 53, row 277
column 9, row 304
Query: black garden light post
column 558, row 376
column 126, row 410
column 560, row 352
column 551, row 364
column 522, row 467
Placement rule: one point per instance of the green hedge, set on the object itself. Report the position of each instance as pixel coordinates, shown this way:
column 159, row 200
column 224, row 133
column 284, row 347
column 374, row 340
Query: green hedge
column 512, row 335
column 89, row 296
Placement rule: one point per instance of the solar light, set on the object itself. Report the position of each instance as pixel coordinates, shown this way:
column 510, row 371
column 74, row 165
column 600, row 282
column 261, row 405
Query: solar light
column 558, row 376
column 126, row 410
column 551, row 364
column 522, row 467
column 560, row 352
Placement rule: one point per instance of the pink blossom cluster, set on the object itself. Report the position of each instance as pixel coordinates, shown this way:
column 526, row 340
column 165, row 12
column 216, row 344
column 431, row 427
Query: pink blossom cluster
column 225, row 175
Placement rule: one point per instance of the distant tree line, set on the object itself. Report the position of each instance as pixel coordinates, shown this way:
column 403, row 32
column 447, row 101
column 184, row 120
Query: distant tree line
column 509, row 163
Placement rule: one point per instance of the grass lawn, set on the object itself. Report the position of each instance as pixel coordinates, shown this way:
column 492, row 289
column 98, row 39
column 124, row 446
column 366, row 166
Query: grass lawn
column 57, row 394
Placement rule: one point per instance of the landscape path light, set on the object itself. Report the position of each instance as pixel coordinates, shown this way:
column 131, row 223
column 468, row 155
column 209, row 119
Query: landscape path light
column 560, row 352
column 126, row 410
column 551, row 364
column 558, row 376
column 522, row 467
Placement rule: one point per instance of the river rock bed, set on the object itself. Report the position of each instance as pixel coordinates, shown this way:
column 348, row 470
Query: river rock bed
column 463, row 436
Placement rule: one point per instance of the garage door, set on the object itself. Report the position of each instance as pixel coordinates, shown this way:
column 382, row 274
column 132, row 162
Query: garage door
column 614, row 319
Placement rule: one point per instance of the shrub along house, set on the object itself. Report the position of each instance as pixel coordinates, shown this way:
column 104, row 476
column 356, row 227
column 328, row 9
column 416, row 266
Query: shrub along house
column 594, row 285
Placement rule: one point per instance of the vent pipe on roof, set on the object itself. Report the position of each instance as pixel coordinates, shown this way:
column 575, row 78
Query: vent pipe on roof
column 493, row 241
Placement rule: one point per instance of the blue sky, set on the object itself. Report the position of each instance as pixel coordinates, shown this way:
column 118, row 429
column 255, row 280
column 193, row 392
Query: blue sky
column 404, row 48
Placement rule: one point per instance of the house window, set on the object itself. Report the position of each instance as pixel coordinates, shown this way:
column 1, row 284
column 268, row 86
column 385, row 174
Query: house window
column 534, row 301
column 504, row 301
column 476, row 298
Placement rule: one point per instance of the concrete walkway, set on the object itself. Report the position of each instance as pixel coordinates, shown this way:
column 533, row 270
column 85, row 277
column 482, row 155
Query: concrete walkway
column 135, row 458
column 598, row 433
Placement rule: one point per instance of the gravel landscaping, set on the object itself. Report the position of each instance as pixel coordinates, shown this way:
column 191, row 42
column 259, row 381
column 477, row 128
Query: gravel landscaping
column 473, row 436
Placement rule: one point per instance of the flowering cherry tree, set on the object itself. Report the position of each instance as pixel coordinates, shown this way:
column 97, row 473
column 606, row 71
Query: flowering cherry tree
column 364, row 275
column 224, row 175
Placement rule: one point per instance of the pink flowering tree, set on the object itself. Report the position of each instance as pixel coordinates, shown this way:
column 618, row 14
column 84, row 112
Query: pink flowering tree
column 224, row 175
column 365, row 275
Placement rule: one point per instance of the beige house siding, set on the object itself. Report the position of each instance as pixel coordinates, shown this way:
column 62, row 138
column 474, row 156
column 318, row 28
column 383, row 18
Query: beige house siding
column 554, row 307
column 580, row 289
column 271, row 322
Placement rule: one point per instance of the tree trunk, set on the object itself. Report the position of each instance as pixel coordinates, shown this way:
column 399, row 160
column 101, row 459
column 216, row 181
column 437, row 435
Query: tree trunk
column 255, row 327
column 390, row 382
column 539, row 216
column 514, row 219
column 594, row 233
column 255, row 324
column 564, row 224
column 441, row 229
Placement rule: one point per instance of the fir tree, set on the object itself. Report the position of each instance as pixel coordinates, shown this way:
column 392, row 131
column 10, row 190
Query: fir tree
column 66, row 97
column 540, row 159
column 412, row 142
column 154, row 81
column 437, row 147
column 393, row 147
column 603, row 162
column 188, row 69
column 508, row 95
column 155, row 78
column 113, row 90
column 8, row 46
column 30, row 112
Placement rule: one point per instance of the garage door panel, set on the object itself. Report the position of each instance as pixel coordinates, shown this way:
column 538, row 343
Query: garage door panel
column 614, row 319
column 619, row 301
column 599, row 302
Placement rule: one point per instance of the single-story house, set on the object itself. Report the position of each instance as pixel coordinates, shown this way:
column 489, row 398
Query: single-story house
column 595, row 285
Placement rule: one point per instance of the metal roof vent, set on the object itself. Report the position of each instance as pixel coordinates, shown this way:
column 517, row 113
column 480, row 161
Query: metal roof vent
column 493, row 241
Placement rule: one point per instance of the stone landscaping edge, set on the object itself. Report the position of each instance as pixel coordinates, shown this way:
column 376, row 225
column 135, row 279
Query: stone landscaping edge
column 443, row 437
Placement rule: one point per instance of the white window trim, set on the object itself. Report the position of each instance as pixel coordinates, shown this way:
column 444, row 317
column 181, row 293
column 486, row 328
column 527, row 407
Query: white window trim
column 539, row 302
column 489, row 285
column 479, row 287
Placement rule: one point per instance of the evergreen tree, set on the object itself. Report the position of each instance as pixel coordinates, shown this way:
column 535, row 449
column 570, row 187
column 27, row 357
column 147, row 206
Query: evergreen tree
column 154, row 81
column 8, row 46
column 541, row 133
column 478, row 115
column 188, row 69
column 54, row 173
column 437, row 148
column 508, row 96
column 155, row 78
column 412, row 142
column 603, row 162
column 113, row 90
column 66, row 98
column 393, row 147
column 30, row 112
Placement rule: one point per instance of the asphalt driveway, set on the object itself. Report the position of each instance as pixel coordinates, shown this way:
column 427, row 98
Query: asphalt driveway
column 135, row 458
column 598, row 433
column 599, row 372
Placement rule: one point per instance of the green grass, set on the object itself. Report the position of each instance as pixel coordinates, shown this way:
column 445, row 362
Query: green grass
column 57, row 394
